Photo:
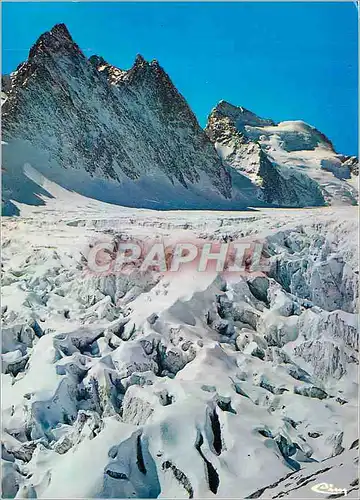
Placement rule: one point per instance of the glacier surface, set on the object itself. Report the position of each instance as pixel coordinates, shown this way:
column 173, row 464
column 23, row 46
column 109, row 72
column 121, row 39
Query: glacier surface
column 191, row 385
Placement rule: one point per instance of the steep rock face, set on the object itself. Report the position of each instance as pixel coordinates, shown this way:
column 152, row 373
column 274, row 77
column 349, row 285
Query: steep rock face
column 292, row 163
column 5, row 83
column 122, row 136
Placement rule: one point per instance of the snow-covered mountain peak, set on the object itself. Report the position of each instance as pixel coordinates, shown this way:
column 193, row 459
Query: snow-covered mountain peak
column 113, row 74
column 153, row 385
column 294, row 163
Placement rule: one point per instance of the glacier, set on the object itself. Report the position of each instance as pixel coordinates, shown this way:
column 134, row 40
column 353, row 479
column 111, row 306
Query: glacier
column 183, row 385
column 128, row 137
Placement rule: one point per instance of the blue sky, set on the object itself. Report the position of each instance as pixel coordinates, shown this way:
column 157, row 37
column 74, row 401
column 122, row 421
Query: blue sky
column 281, row 60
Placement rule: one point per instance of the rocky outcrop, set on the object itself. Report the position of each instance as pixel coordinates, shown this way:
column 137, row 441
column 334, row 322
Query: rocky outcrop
column 159, row 385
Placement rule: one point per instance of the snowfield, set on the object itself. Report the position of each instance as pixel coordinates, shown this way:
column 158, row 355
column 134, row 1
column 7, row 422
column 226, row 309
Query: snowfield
column 183, row 385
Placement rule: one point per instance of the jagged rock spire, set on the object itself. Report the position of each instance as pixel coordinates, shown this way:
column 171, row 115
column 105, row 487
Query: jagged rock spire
column 58, row 39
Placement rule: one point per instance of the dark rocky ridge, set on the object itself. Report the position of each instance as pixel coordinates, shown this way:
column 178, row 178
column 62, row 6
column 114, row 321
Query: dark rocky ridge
column 108, row 124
